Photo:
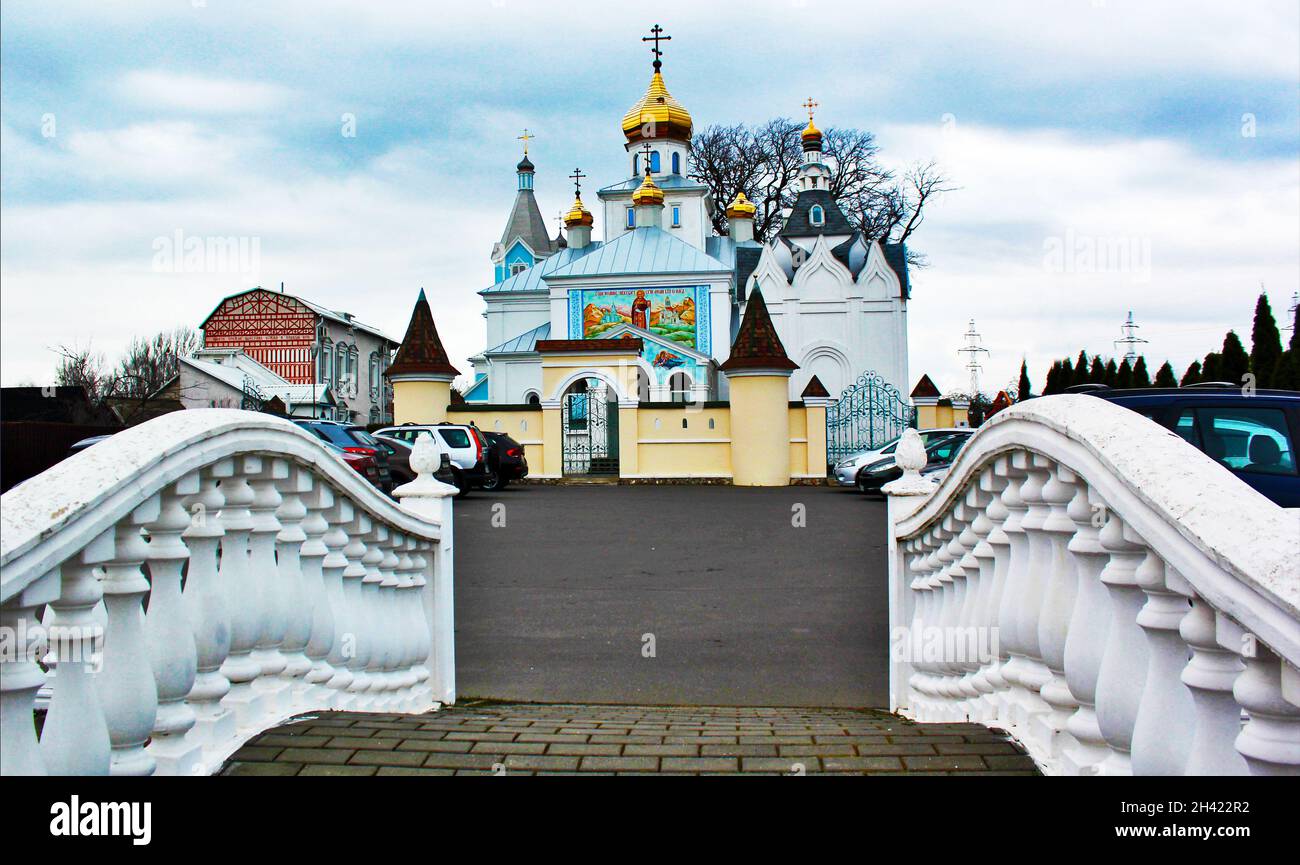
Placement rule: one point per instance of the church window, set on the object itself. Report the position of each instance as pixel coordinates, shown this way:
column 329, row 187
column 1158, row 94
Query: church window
column 711, row 424
column 677, row 216
column 654, row 161
column 816, row 215
column 677, row 163
column 631, row 218
column 679, row 386
column 533, row 399
column 517, row 268
column 636, row 164
column 642, row 385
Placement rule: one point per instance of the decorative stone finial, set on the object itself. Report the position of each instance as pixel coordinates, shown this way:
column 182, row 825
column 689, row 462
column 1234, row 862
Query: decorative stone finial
column 425, row 460
column 910, row 456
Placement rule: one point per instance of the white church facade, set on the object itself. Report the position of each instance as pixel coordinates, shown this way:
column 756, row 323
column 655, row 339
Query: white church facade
column 839, row 301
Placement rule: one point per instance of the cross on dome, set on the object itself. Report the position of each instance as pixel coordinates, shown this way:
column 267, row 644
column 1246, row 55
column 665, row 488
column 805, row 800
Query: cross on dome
column 656, row 38
column 525, row 138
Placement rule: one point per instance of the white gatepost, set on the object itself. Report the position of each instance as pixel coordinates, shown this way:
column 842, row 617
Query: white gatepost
column 431, row 499
column 905, row 496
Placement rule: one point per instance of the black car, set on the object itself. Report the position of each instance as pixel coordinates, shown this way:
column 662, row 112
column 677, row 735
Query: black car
column 353, row 439
column 939, row 456
column 1251, row 434
column 506, row 461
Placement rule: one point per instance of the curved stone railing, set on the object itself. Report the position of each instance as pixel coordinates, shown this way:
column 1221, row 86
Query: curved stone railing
column 1111, row 596
column 203, row 576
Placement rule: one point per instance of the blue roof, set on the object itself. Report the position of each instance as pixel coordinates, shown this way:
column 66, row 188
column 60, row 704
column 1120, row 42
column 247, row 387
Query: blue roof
column 526, row 341
column 472, row 396
column 666, row 181
column 531, row 279
column 640, row 251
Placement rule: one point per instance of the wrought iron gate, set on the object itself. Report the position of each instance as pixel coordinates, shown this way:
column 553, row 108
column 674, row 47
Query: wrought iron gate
column 868, row 413
column 589, row 433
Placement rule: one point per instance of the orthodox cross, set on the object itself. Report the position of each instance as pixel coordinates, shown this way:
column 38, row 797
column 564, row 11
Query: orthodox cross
column 648, row 149
column 656, row 39
column 577, row 176
column 811, row 106
column 525, row 138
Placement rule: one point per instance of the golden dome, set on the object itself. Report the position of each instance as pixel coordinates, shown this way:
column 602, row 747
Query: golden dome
column 578, row 214
column 812, row 135
column 741, row 208
column 669, row 117
column 647, row 193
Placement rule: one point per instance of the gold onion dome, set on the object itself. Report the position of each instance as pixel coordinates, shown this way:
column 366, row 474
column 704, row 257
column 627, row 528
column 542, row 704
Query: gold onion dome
column 657, row 111
column 578, row 214
column 741, row 208
column 812, row 135
column 647, row 192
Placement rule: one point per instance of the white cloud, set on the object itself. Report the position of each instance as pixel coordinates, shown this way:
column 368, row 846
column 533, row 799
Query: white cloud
column 163, row 91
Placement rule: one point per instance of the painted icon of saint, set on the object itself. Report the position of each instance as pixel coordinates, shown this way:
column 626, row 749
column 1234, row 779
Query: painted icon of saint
column 640, row 308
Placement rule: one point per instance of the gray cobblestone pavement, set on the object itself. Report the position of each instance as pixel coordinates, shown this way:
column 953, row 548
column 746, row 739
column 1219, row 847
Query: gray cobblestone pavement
column 532, row 739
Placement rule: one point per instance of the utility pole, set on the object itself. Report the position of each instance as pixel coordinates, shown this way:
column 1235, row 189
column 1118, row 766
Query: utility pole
column 1130, row 340
column 972, row 349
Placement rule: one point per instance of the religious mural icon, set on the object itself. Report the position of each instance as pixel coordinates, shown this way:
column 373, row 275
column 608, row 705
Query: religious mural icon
column 666, row 312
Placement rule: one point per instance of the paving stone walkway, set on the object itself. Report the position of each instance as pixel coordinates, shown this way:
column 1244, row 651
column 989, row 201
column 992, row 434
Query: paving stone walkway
column 533, row 739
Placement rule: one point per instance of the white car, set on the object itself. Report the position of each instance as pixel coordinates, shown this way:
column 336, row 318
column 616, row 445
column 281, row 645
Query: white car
column 460, row 442
column 846, row 470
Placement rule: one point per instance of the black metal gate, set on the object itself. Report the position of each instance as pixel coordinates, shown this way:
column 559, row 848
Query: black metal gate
column 868, row 413
column 589, row 432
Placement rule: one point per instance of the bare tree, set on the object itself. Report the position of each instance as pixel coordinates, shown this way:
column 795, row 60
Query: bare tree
column 150, row 363
column 763, row 162
column 85, row 369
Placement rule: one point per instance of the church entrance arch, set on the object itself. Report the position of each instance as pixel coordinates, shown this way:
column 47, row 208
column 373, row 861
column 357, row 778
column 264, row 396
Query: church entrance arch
column 869, row 413
column 589, row 428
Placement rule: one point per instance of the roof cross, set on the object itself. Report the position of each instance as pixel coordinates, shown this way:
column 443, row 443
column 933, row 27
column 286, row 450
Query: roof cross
column 811, row 106
column 648, row 150
column 525, row 138
column 656, row 39
column 577, row 176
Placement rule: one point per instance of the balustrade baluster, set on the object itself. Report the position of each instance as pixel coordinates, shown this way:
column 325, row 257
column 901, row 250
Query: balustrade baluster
column 126, row 686
column 207, row 608
column 379, row 630
column 997, row 554
column 343, row 646
column 1060, row 589
column 74, row 738
column 391, row 695
column 1018, row 576
column 314, row 691
column 1210, row 675
column 22, row 641
column 1161, row 748
column 271, row 591
column 298, row 603
column 1033, row 673
column 1124, row 660
column 173, row 651
column 361, row 620
column 1085, row 641
column 1270, row 739
column 973, row 633
column 243, row 595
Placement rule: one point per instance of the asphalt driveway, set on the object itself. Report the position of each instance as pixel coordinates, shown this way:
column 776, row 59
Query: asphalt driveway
column 674, row 595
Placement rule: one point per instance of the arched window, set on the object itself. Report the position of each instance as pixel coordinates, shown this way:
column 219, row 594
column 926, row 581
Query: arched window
column 636, row 165
column 324, row 362
column 679, row 386
column 677, row 163
column 642, row 385
column 816, row 215
column 654, row 161
column 533, row 398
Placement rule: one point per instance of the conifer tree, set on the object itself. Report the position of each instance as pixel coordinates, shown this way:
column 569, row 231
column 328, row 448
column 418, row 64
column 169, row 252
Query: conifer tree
column 1111, row 378
column 1081, row 375
column 1124, row 378
column 1141, row 378
column 1210, row 367
column 1165, row 376
column 1065, row 377
column 1265, row 343
column 1022, row 386
column 1234, row 363
column 1097, row 372
column 1193, row 374
column 1286, row 374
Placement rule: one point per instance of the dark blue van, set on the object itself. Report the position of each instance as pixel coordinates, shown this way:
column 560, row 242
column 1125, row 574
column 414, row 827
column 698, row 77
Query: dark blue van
column 1252, row 435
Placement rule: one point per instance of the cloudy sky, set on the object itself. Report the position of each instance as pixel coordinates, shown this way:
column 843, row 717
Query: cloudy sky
column 1109, row 155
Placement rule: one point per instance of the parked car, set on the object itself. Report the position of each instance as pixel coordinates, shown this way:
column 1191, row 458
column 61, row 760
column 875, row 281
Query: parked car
column 399, row 458
column 846, row 470
column 463, row 443
column 1254, row 436
column 939, row 457
column 506, row 461
column 363, row 464
column 80, row 446
column 354, row 440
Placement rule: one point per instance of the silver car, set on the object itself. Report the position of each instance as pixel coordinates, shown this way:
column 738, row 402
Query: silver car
column 846, row 470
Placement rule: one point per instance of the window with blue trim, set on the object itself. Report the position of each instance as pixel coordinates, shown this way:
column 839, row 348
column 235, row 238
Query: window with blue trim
column 677, row 216
column 816, row 215
column 636, row 164
column 654, row 161
column 677, row 163
column 631, row 218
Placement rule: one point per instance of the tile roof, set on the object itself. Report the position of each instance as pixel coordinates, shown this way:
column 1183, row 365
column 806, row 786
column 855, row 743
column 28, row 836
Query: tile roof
column 421, row 350
column 757, row 345
column 925, row 388
column 815, row 388
column 798, row 223
column 643, row 250
column 746, row 260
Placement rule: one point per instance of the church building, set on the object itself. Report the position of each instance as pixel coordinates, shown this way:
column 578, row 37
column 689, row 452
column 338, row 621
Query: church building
column 838, row 301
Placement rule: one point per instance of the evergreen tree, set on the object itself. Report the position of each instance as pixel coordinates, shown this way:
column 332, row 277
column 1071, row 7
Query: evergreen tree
column 1210, row 367
column 1286, row 372
column 1265, row 343
column 1065, row 377
column 1081, row 375
column 1142, row 378
column 1022, row 386
column 1112, row 374
column 1097, row 372
column 1124, row 378
column 1234, row 363
column 1192, row 376
column 1165, row 376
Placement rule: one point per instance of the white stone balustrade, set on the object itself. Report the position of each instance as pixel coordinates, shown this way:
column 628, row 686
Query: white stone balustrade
column 1141, row 604
column 204, row 576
